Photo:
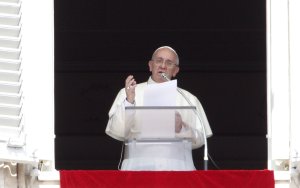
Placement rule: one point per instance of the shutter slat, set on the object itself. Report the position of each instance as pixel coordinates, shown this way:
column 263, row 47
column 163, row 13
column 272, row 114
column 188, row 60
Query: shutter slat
column 6, row 42
column 10, row 1
column 11, row 20
column 10, row 76
column 6, row 98
column 13, row 65
column 9, row 8
column 10, row 110
column 10, row 31
column 10, row 87
column 10, row 121
column 10, row 53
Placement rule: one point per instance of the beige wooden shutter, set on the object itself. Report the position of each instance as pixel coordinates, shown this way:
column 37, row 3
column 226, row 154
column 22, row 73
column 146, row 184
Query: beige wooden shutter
column 11, row 121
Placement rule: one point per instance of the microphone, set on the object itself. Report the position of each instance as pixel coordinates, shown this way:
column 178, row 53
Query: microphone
column 199, row 117
column 165, row 76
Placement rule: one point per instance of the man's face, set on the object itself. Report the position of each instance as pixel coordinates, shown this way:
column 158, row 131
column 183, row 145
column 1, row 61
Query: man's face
column 163, row 61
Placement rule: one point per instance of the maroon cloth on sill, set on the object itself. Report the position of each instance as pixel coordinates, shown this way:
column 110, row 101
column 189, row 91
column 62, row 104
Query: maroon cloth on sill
column 165, row 179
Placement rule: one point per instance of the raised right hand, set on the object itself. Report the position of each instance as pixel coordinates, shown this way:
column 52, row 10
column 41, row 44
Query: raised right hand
column 130, row 85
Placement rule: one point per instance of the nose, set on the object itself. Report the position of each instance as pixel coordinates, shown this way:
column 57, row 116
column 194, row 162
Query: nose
column 163, row 65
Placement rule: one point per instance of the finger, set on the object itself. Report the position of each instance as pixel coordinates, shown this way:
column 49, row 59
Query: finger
column 130, row 77
column 131, row 84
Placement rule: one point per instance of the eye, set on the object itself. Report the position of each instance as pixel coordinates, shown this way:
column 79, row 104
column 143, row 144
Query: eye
column 159, row 60
column 169, row 62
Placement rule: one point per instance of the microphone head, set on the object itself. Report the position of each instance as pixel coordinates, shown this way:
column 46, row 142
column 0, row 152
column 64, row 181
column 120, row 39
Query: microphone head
column 165, row 76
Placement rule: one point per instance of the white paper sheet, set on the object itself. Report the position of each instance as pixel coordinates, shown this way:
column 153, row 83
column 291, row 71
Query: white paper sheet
column 161, row 94
column 159, row 123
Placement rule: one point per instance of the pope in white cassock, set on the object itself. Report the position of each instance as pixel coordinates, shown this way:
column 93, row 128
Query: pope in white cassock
column 157, row 156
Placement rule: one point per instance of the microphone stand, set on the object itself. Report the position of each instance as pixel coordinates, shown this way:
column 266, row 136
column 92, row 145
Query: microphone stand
column 205, row 158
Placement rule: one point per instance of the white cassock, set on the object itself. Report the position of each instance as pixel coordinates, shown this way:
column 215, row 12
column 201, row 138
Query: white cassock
column 156, row 156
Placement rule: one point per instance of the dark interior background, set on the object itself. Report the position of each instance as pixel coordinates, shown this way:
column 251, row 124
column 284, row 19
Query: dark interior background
column 222, row 49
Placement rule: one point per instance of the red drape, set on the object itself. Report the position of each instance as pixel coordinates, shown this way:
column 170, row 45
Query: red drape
column 165, row 179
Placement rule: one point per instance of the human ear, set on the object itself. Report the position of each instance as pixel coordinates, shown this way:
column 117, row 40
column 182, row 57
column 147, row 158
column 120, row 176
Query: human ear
column 175, row 72
column 150, row 65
